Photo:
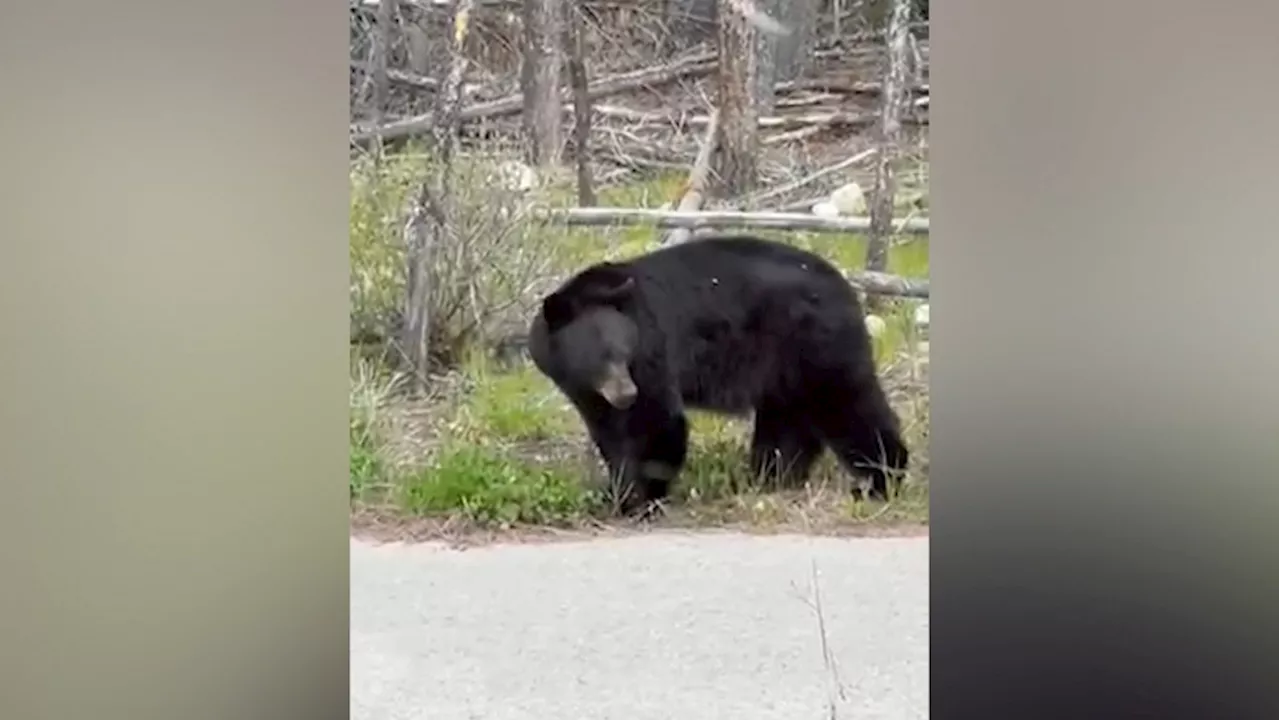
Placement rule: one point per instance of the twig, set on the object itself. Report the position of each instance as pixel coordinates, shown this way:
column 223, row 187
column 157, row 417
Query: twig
column 792, row 135
column 843, row 86
column 797, row 184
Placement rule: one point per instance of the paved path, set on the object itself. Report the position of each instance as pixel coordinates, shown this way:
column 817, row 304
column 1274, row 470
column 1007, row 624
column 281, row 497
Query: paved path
column 661, row 626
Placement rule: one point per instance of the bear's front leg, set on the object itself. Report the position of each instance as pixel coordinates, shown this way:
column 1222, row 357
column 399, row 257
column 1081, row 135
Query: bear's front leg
column 658, row 445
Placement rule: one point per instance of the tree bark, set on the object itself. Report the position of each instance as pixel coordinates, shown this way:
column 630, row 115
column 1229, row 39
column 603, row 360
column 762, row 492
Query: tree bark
column 794, row 51
column 885, row 186
column 782, row 57
column 540, row 79
column 737, row 88
column 581, row 105
column 381, row 60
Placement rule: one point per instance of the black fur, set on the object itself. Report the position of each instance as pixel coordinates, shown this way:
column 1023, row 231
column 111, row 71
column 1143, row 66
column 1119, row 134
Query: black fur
column 729, row 324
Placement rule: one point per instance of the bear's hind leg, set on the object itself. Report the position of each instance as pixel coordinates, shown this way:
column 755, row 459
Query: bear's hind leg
column 862, row 430
column 784, row 445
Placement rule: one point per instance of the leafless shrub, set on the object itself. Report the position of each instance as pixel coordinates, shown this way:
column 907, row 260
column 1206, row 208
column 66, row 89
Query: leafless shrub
column 480, row 281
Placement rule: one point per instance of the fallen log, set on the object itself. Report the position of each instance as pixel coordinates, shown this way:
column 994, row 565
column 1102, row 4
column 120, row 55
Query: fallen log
column 719, row 218
column 695, row 187
column 879, row 283
column 403, row 77
column 832, row 118
column 514, row 104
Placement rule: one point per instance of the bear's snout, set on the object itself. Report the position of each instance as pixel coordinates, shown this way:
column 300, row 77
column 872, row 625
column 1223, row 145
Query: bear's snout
column 617, row 388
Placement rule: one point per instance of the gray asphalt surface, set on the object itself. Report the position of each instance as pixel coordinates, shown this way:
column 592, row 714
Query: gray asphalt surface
column 662, row 626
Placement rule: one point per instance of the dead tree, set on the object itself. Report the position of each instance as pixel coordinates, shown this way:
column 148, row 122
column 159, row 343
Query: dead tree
column 783, row 54
column 417, row 41
column 381, row 63
column 885, row 188
column 736, row 90
column 540, row 79
column 432, row 213
column 581, row 104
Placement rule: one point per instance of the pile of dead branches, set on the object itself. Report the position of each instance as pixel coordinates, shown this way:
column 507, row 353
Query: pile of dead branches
column 646, row 115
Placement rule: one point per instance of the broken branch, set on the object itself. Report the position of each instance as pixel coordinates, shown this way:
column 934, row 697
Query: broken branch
column 696, row 186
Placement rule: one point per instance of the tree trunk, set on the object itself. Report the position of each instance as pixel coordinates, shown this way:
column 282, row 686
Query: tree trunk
column 885, row 187
column 581, row 105
column 419, row 44
column 737, row 88
column 540, row 79
column 783, row 57
column 432, row 213
column 381, row 60
column 765, row 53
column 795, row 51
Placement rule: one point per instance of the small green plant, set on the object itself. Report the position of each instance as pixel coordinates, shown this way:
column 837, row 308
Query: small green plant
column 369, row 392
column 368, row 469
column 489, row 487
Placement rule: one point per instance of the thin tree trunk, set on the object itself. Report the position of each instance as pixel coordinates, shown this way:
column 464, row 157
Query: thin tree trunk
column 782, row 56
column 381, row 62
column 737, row 89
column 795, row 51
column 540, row 79
column 885, row 187
column 766, row 58
column 581, row 105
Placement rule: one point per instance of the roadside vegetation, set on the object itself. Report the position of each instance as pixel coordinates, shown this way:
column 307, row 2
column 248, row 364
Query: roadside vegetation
column 492, row 445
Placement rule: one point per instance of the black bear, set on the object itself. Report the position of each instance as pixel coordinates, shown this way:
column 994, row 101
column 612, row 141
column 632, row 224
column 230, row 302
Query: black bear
column 732, row 324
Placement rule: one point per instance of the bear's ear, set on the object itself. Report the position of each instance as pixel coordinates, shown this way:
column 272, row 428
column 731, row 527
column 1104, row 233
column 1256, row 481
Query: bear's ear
column 557, row 311
column 611, row 285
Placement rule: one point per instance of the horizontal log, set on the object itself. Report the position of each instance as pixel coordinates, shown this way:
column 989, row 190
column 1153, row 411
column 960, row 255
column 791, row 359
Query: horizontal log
column 878, row 283
column 721, row 218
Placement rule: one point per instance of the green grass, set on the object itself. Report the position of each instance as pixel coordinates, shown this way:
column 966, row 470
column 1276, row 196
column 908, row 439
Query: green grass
column 505, row 449
column 510, row 451
column 491, row 488
column 515, row 405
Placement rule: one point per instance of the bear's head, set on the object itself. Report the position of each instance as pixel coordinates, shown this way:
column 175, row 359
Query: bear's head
column 584, row 338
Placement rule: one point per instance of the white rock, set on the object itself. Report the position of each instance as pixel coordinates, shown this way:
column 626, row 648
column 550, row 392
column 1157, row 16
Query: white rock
column 849, row 199
column 875, row 325
column 922, row 315
column 825, row 210
column 516, row 176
